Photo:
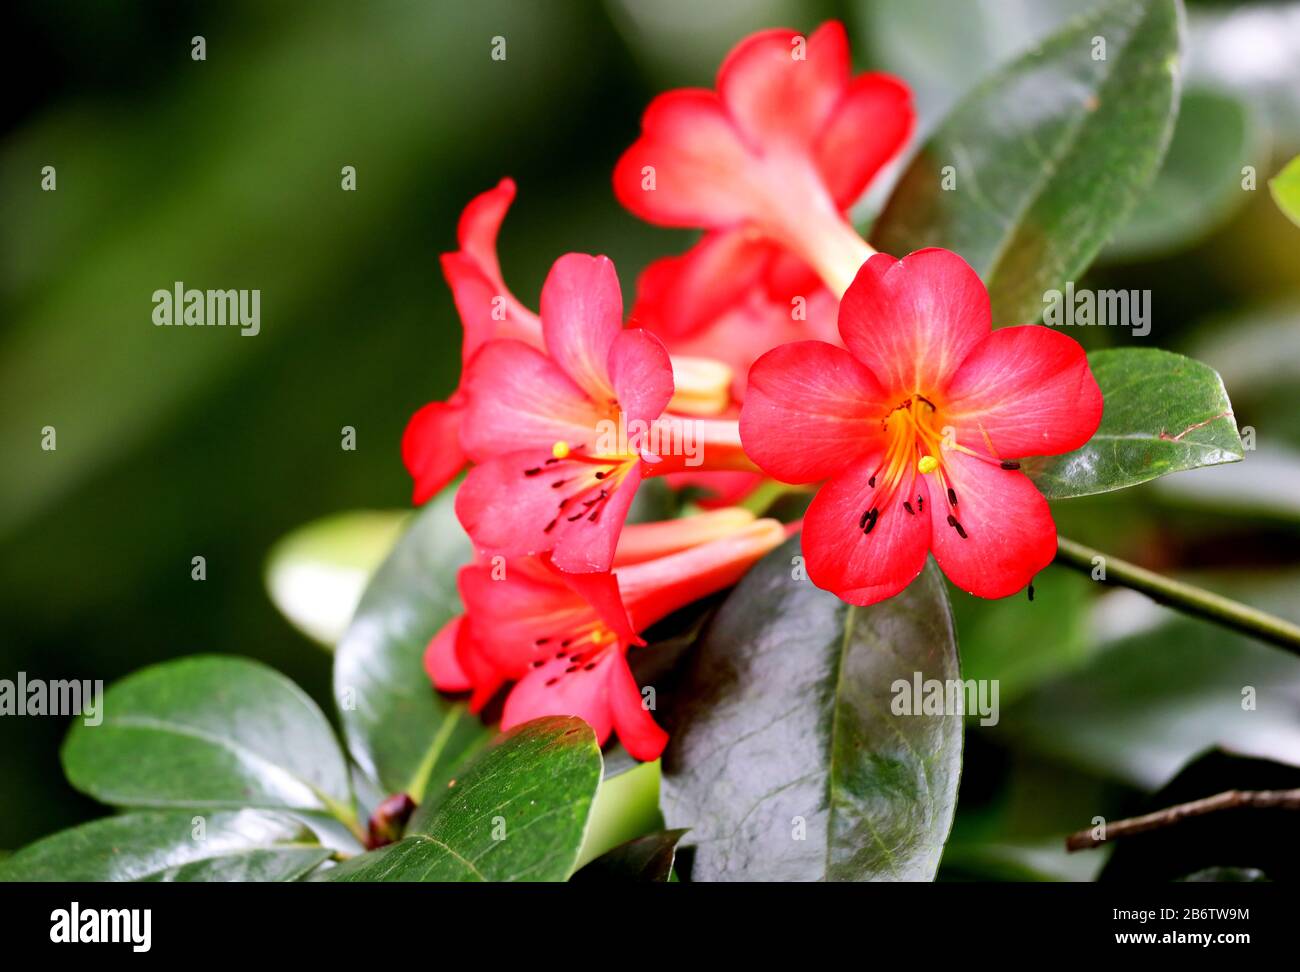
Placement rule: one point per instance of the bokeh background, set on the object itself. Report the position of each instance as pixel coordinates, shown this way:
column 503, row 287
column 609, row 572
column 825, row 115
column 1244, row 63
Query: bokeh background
column 180, row 442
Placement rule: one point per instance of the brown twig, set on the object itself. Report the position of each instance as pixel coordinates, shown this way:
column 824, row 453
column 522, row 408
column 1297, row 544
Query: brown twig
column 1230, row 800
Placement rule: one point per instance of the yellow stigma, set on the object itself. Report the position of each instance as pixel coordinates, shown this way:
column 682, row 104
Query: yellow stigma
column 927, row 464
column 560, row 450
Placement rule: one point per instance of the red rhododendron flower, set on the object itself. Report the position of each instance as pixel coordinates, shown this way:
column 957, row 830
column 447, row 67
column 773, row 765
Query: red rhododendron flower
column 785, row 145
column 564, row 437
column 431, row 447
column 917, row 428
column 564, row 637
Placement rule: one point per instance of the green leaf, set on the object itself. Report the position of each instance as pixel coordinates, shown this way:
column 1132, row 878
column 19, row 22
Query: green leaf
column 1164, row 413
column 517, row 813
column 1199, row 185
column 241, row 845
column 399, row 730
column 1285, row 187
column 209, row 731
column 316, row 574
column 647, row 858
column 782, row 729
column 1049, row 155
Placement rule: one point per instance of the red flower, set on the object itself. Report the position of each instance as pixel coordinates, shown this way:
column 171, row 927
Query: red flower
column 564, row 437
column 431, row 447
column 564, row 637
column 917, row 427
column 787, row 143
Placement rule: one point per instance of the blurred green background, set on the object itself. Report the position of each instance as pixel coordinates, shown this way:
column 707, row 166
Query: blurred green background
column 225, row 173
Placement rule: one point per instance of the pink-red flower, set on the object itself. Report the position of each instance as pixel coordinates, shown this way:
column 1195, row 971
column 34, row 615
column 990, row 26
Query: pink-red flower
column 917, row 428
column 563, row 638
column 563, row 437
column 785, row 145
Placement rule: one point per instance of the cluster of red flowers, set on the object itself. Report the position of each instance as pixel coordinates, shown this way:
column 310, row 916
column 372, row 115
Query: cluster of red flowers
column 779, row 345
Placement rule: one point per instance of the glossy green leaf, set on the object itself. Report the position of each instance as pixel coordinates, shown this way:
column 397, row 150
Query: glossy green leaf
column 209, row 731
column 1285, row 187
column 1199, row 185
column 1164, row 413
column 517, row 813
column 172, row 845
column 316, row 574
column 786, row 758
column 399, row 730
column 647, row 858
column 1048, row 154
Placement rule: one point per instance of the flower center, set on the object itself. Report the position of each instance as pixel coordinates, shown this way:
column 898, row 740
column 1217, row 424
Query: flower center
column 579, row 650
column 916, row 443
column 583, row 482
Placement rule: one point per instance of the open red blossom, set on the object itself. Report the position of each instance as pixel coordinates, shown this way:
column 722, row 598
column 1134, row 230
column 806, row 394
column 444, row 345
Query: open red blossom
column 917, row 429
column 564, row 437
column 564, row 637
column 431, row 447
column 787, row 142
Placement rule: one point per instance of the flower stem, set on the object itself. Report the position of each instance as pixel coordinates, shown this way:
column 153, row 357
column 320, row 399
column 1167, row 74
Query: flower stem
column 1181, row 596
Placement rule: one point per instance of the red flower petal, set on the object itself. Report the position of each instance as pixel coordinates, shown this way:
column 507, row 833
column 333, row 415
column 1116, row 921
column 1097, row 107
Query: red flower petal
column 1029, row 389
column 913, row 321
column 1010, row 535
column 641, row 374
column 678, row 295
column 582, row 314
column 776, row 99
column 431, row 449
column 440, row 660
column 869, row 126
column 696, row 159
column 553, row 690
column 810, row 410
column 519, row 399
column 637, row 730
column 863, row 568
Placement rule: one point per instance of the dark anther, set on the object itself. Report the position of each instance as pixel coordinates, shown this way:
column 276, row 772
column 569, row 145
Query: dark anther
column 589, row 666
column 872, row 515
column 532, row 472
column 571, row 668
column 552, row 461
column 537, row 664
column 558, row 483
column 552, row 681
column 549, row 527
column 872, row 482
column 920, row 502
column 541, row 641
column 862, row 523
column 927, row 401
column 952, row 496
column 566, row 642
column 952, row 522
column 561, row 654
column 601, row 475
column 1010, row 464
column 577, row 516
